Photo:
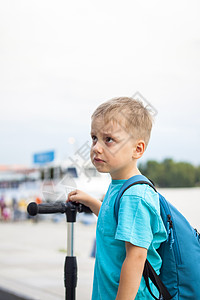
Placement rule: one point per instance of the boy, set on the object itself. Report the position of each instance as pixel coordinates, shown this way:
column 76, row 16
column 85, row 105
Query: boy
column 120, row 132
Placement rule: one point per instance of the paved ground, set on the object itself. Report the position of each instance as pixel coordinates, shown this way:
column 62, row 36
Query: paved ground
column 32, row 258
column 32, row 255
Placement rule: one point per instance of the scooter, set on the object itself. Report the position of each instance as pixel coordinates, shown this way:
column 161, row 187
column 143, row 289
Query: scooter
column 70, row 266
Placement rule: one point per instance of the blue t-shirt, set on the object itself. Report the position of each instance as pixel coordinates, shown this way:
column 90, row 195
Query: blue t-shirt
column 139, row 223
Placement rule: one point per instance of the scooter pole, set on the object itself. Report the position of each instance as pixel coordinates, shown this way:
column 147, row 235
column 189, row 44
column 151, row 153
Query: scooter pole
column 70, row 267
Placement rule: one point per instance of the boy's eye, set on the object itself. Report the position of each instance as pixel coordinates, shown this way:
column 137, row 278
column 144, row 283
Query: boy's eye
column 94, row 138
column 109, row 140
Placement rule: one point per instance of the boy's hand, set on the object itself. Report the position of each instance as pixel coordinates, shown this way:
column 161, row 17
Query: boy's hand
column 79, row 197
column 83, row 198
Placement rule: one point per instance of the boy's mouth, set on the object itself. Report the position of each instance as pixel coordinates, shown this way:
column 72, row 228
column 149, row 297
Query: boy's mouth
column 96, row 159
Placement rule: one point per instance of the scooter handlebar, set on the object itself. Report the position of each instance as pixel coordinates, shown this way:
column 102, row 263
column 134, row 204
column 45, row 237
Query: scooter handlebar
column 56, row 207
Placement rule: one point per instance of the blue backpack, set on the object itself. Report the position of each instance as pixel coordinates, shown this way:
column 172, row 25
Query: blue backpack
column 179, row 277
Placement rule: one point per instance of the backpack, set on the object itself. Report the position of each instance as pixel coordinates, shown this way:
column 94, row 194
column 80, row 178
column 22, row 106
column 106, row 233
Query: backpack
column 179, row 277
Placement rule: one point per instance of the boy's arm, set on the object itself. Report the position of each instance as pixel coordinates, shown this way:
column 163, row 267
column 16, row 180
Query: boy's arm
column 87, row 200
column 131, row 272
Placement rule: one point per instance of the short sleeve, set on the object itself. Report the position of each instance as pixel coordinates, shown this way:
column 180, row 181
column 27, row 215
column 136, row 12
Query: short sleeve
column 137, row 219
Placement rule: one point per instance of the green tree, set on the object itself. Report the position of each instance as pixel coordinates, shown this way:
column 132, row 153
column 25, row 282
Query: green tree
column 185, row 175
column 170, row 173
column 154, row 171
column 197, row 176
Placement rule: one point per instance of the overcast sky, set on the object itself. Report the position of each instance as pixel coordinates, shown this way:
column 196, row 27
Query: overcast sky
column 60, row 59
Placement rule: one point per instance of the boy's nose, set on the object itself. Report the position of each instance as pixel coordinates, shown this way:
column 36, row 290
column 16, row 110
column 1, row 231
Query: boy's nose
column 97, row 148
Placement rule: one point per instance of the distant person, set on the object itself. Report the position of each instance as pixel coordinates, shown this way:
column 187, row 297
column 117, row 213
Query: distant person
column 120, row 133
column 6, row 213
column 38, row 200
column 22, row 207
column 16, row 212
column 2, row 206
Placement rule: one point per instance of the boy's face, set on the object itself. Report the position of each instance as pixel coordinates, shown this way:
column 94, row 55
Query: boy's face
column 113, row 148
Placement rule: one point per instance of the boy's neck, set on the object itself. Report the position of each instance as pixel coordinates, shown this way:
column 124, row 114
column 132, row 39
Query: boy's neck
column 128, row 175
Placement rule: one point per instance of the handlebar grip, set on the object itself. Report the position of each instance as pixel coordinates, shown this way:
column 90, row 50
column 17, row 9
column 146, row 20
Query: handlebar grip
column 83, row 208
column 45, row 208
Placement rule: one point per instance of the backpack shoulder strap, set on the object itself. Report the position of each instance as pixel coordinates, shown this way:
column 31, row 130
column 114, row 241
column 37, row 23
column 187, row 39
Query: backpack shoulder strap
column 137, row 179
column 148, row 269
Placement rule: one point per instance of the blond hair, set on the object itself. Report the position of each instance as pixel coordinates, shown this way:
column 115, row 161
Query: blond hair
column 137, row 117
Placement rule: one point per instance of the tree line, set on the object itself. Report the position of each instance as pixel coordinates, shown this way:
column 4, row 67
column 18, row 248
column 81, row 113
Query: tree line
column 169, row 173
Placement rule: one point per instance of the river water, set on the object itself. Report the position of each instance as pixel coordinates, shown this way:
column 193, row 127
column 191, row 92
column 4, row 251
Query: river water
column 186, row 200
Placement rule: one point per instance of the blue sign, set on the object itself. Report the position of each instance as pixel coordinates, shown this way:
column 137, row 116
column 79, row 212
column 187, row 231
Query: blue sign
column 43, row 157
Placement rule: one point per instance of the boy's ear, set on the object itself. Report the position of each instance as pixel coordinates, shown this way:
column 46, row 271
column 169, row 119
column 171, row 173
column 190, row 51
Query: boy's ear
column 138, row 149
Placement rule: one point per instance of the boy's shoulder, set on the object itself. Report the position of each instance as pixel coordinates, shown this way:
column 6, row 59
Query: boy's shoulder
column 145, row 194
